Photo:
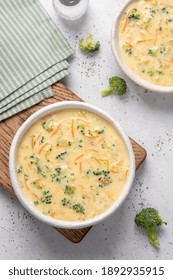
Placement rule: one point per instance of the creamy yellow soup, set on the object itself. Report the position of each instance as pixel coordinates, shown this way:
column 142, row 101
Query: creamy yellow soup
column 72, row 165
column 146, row 40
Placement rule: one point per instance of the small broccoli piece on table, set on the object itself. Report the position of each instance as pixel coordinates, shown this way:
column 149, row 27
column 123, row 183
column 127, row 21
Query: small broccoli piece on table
column 116, row 84
column 89, row 45
column 149, row 219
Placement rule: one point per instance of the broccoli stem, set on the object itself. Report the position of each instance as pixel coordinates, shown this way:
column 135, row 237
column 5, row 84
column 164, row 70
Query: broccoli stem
column 107, row 91
column 152, row 236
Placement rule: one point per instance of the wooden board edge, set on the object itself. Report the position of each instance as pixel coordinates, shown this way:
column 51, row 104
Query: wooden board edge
column 74, row 235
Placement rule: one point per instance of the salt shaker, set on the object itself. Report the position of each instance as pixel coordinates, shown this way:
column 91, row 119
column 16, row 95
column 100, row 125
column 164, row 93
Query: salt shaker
column 70, row 9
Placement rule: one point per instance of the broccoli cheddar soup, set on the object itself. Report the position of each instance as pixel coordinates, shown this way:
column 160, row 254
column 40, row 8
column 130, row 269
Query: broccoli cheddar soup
column 146, row 40
column 72, row 165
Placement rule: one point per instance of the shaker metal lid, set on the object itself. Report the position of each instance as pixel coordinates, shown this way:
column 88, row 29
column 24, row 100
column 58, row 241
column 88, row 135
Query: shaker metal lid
column 69, row 2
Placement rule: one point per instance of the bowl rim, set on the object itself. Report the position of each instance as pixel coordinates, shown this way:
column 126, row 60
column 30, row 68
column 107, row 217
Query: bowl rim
column 13, row 174
column 116, row 51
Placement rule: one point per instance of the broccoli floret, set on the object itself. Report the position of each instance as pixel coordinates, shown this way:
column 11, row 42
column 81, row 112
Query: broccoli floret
column 65, row 202
column 134, row 15
column 46, row 198
column 49, row 125
column 69, row 190
column 34, row 159
column 88, row 45
column 117, row 85
column 148, row 219
column 78, row 208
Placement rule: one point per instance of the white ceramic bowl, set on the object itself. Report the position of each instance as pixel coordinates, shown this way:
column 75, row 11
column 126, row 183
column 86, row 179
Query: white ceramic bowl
column 122, row 64
column 12, row 164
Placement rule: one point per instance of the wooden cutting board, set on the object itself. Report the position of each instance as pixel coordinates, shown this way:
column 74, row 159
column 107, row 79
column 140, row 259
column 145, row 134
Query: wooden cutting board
column 8, row 129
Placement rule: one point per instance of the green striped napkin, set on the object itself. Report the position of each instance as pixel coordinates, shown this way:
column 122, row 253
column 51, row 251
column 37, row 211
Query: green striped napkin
column 33, row 55
column 27, row 103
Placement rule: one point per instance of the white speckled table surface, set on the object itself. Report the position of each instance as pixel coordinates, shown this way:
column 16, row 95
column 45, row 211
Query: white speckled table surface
column 146, row 117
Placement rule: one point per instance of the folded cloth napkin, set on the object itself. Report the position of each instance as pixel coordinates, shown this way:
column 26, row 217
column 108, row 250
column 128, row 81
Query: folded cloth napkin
column 33, row 55
column 35, row 85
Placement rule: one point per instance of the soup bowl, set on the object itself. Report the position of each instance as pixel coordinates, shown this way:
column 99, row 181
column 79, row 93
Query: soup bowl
column 122, row 63
column 40, row 114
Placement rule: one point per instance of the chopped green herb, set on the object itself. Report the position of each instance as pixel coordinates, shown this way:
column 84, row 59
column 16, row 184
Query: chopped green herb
column 43, row 174
column 63, row 143
column 152, row 12
column 82, row 129
column 102, row 172
column 129, row 51
column 101, row 131
column 151, row 73
column 103, row 145
column 65, row 202
column 37, row 185
column 26, row 177
column 34, row 159
column 60, row 156
column 148, row 20
column 42, row 140
column 36, row 202
column 164, row 10
column 159, row 72
column 39, row 171
column 49, row 148
column 58, row 170
column 89, row 132
column 43, row 124
column 19, row 169
column 151, row 52
column 162, row 49
column 97, row 173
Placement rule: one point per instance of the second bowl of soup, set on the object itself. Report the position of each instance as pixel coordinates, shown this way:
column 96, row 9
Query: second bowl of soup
column 142, row 42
